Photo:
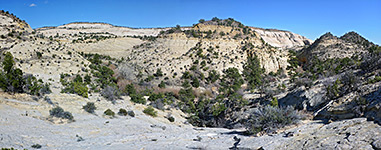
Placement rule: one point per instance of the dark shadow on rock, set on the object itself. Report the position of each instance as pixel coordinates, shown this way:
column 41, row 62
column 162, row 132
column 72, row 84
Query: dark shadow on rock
column 244, row 133
column 293, row 99
column 373, row 110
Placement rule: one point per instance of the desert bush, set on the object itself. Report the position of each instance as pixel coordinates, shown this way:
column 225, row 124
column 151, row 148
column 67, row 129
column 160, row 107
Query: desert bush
column 231, row 81
column 39, row 55
column 306, row 82
column 109, row 112
column 158, row 103
column 122, row 112
column 78, row 78
column 60, row 113
column 350, row 81
column 11, row 79
column 186, row 75
column 195, row 82
column 130, row 89
column 158, row 73
column 155, row 96
column 131, row 113
column 89, row 107
column 269, row 119
column 333, row 90
column 274, row 102
column 253, row 72
column 186, row 93
column 162, row 84
column 104, row 75
column 171, row 119
column 150, row 111
column 374, row 80
column 215, row 19
column 8, row 148
column 76, row 88
column 35, row 87
column 45, row 89
column 87, row 79
column 36, row 146
column 137, row 98
column 213, row 76
column 111, row 93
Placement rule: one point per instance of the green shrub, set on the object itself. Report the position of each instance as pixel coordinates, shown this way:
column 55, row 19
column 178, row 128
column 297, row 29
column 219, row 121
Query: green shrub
column 186, row 75
column 78, row 78
column 155, row 96
column 109, row 112
column 171, row 119
column 218, row 108
column 76, row 88
column 269, row 119
column 213, row 76
column 333, row 90
column 81, row 89
column 231, row 81
column 104, row 75
column 252, row 72
column 131, row 113
column 186, row 93
column 158, row 73
column 150, row 111
column 130, row 89
column 162, row 84
column 376, row 79
column 11, row 80
column 137, row 98
column 195, row 82
column 60, row 113
column 39, row 55
column 89, row 107
column 274, row 102
column 36, row 146
column 8, row 148
column 122, row 112
column 87, row 79
column 35, row 87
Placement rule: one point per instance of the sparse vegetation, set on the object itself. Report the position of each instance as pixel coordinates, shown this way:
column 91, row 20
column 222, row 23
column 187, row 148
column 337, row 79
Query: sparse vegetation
column 137, row 98
column 79, row 88
column 122, row 112
column 89, row 107
column 171, row 119
column 150, row 111
column 253, row 72
column 131, row 113
column 60, row 113
column 162, row 84
column 14, row 80
column 36, row 146
column 109, row 112
column 111, row 93
column 269, row 119
column 274, row 102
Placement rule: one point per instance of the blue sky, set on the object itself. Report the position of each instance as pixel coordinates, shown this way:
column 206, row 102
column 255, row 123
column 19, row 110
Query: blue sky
column 310, row 18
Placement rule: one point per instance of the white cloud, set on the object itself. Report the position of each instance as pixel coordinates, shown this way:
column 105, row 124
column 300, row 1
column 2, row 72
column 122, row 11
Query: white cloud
column 32, row 5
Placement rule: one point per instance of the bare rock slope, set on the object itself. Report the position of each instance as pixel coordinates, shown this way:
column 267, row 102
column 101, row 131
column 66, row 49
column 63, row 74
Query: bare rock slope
column 24, row 123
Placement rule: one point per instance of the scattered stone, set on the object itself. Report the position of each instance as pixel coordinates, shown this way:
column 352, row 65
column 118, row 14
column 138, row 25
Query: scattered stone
column 157, row 126
column 198, row 139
